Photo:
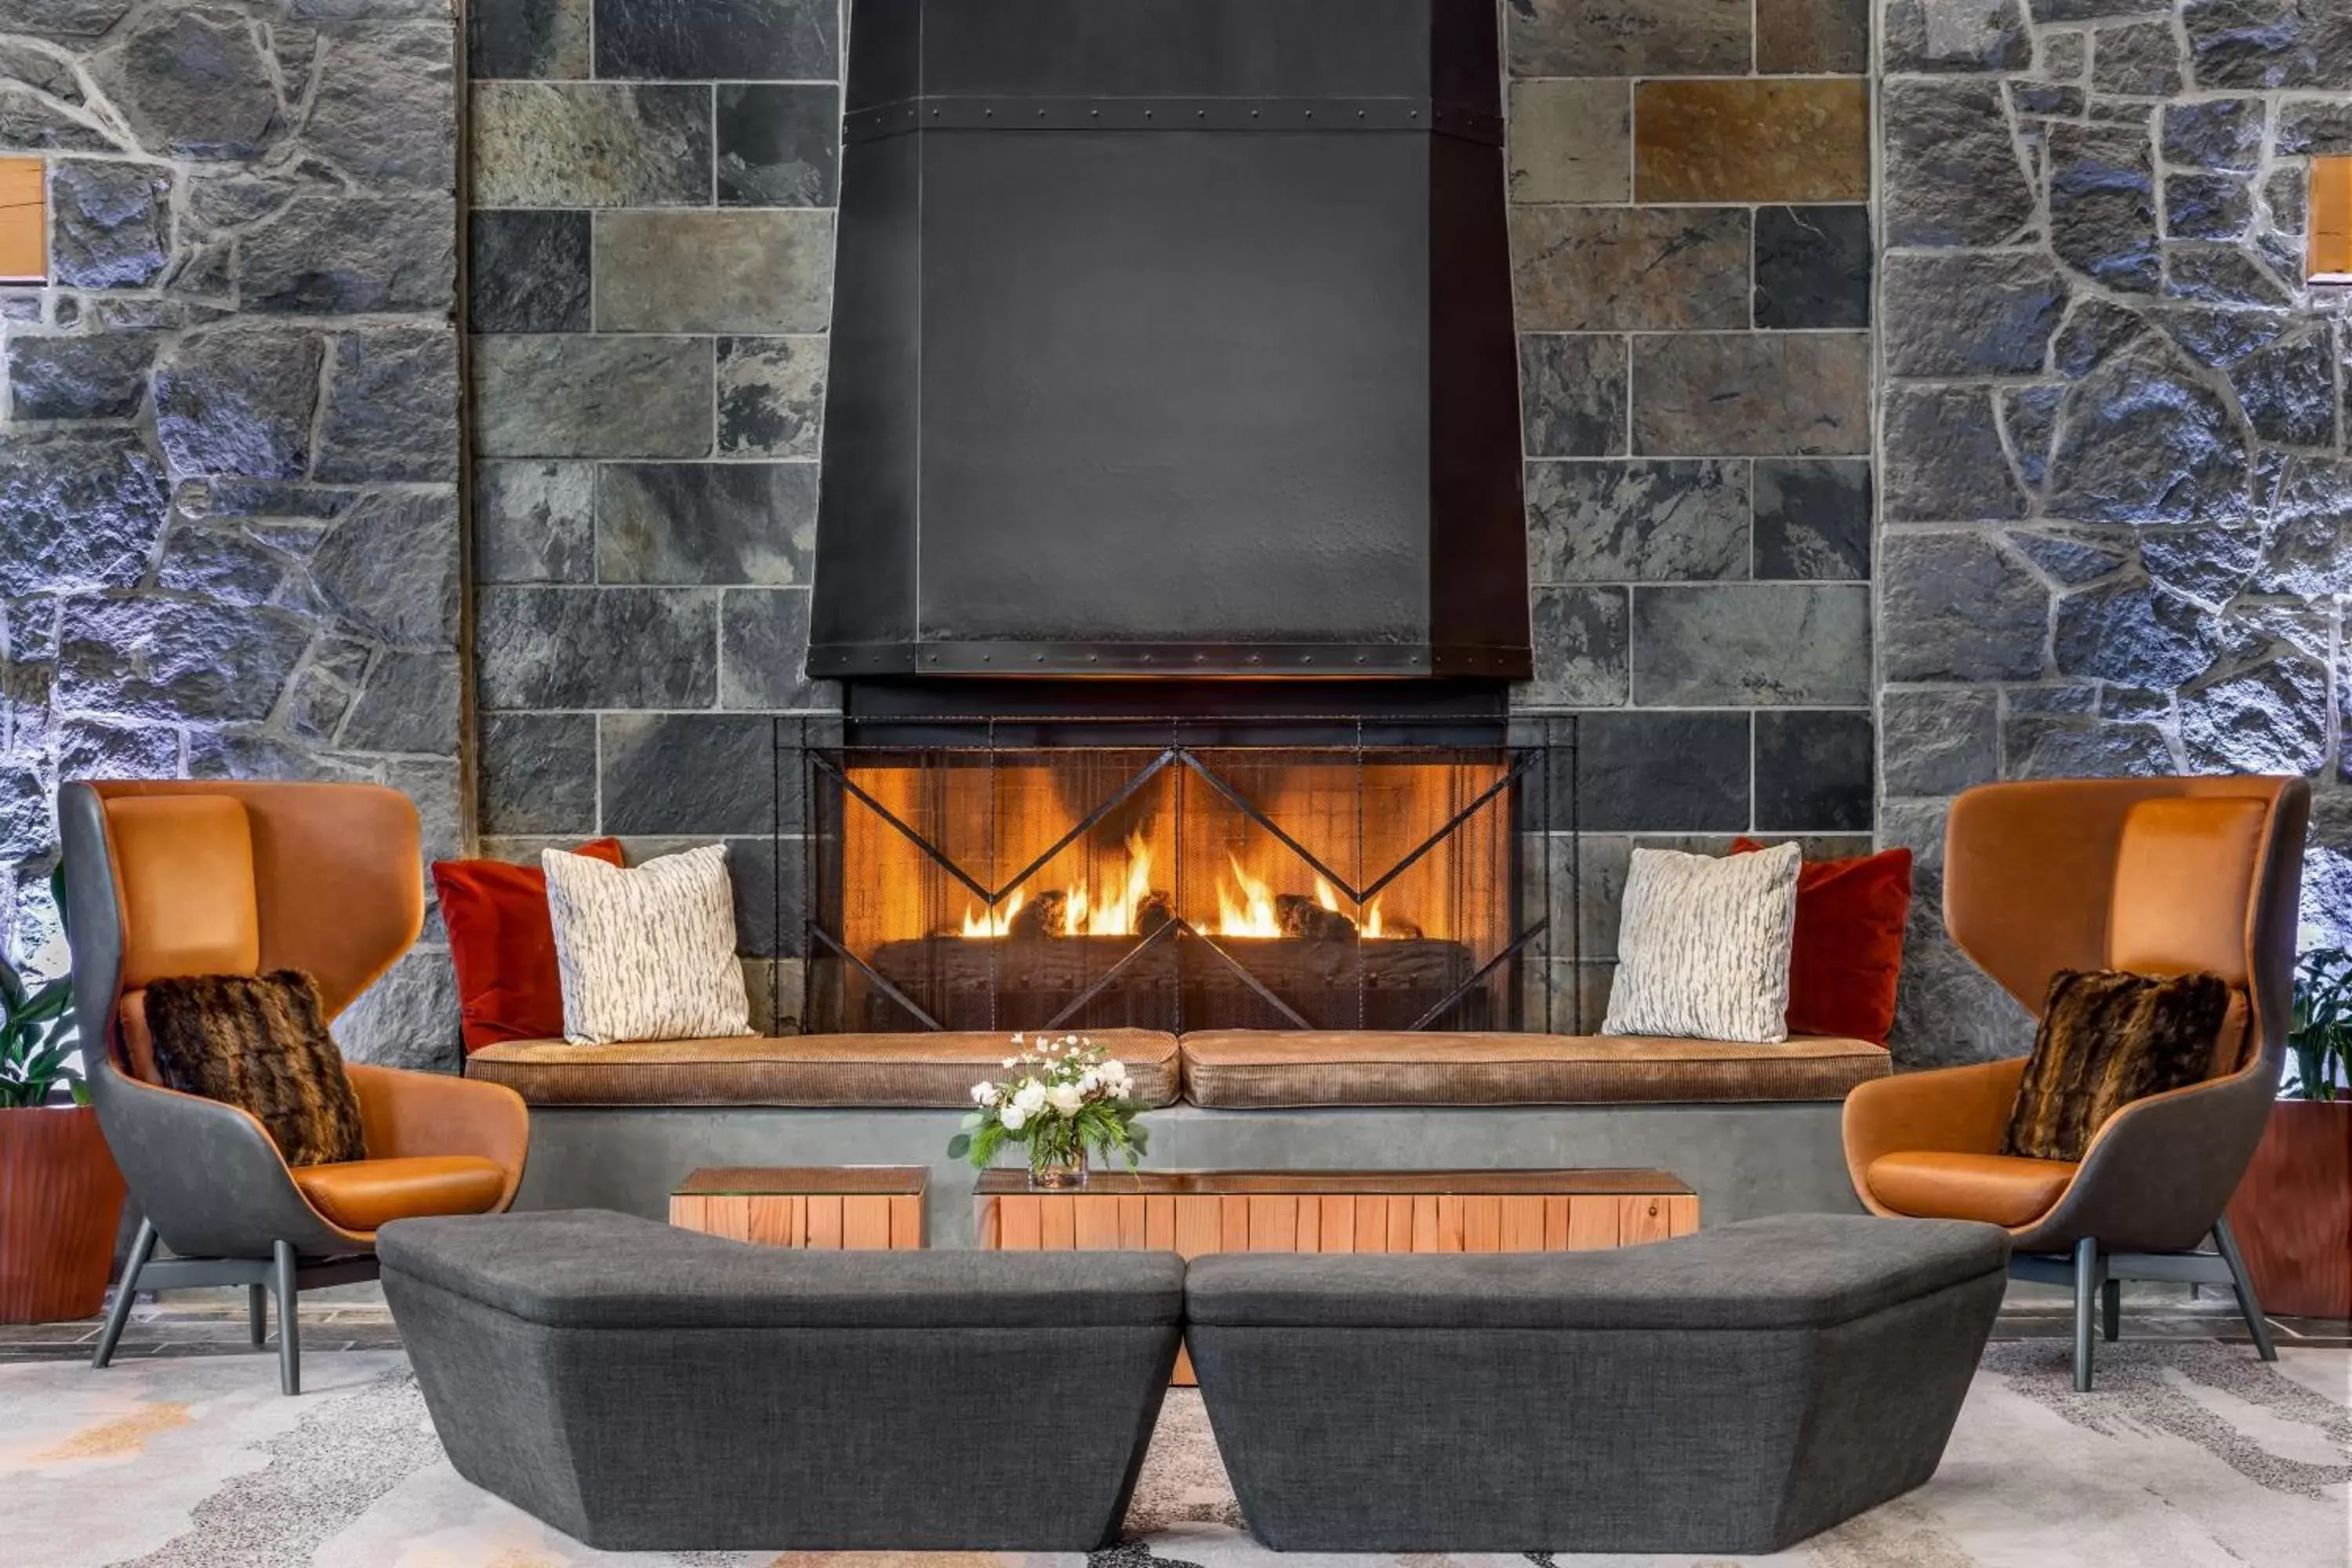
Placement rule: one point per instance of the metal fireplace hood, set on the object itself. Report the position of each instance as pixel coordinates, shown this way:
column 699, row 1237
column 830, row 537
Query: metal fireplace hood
column 1172, row 337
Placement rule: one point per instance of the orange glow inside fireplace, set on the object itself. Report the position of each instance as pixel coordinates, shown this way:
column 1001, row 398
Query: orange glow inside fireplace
column 994, row 890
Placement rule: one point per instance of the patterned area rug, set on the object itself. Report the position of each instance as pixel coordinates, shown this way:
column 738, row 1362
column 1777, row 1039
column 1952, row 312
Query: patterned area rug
column 2190, row 1453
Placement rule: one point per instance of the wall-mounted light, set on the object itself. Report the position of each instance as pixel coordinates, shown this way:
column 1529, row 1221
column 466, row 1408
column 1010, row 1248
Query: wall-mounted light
column 2330, row 259
column 24, row 223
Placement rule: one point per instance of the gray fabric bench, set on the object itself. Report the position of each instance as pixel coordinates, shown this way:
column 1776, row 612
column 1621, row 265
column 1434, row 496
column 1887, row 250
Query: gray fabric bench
column 643, row 1387
column 1730, row 1392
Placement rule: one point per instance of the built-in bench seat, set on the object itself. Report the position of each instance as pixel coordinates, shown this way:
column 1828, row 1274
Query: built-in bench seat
column 1220, row 1069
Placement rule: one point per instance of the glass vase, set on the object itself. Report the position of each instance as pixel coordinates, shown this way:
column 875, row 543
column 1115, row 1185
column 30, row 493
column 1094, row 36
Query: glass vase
column 1056, row 1170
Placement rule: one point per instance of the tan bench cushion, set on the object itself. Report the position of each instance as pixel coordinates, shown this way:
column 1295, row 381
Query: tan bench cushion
column 1265, row 1068
column 882, row 1070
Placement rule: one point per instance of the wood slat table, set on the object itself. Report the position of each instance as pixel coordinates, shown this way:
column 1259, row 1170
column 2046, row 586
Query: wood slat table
column 1199, row 1212
column 849, row 1207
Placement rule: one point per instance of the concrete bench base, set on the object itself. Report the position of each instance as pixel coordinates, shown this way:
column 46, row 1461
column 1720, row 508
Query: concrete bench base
column 1731, row 1392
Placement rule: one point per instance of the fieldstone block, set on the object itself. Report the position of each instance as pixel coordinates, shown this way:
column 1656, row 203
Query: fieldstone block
column 2272, row 718
column 1812, row 519
column 2103, row 204
column 755, row 270
column 101, row 749
column 575, row 395
column 2041, row 746
column 1580, row 649
column 2030, row 417
column 2287, row 193
column 2208, row 565
column 1812, row 37
column 1573, row 394
column 1572, row 140
column 791, row 40
column 2142, row 442
column 763, row 652
column 534, row 522
column 107, row 225
column 1939, row 741
column 2268, row 43
column 686, row 772
column 78, row 513
column 238, row 400
column 391, row 406
column 174, row 660
column 1957, row 607
column 2287, row 389
column 1970, row 314
column 1749, row 139
column 2215, row 133
column 1762, row 644
column 1948, row 1012
column 589, row 144
column 538, row 772
column 705, row 522
column 1813, row 773
column 96, row 377
column 1812, row 266
column 2309, row 552
column 2138, row 61
column 193, row 82
column 1627, row 37
column 389, row 566
column 526, row 38
column 2207, row 206
column 25, row 826
column 1945, row 462
column 2226, row 275
column 595, row 647
column 1731, row 393
column 227, row 565
column 1577, row 880
column 2135, row 635
column 1656, row 773
column 409, row 704
column 779, row 145
column 1952, row 176
column 353, row 256
column 770, row 396
column 1971, row 36
column 62, row 18
column 408, row 1019
column 383, row 108
column 1587, row 269
column 2309, row 126
column 527, row 272
column 1618, row 522
column 30, row 124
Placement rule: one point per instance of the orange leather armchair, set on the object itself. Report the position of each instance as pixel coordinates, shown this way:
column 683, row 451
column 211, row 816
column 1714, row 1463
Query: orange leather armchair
column 169, row 878
column 2157, row 876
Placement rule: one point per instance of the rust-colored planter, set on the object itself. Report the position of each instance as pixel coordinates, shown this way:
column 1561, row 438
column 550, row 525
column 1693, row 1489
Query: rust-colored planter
column 61, row 1201
column 2292, row 1213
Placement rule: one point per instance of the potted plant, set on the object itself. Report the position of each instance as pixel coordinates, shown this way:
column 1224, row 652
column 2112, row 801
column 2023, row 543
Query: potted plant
column 2292, row 1212
column 60, row 1195
column 1062, row 1098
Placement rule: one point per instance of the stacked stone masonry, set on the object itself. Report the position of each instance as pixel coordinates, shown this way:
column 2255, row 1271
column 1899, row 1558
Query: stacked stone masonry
column 2117, row 498
column 229, row 452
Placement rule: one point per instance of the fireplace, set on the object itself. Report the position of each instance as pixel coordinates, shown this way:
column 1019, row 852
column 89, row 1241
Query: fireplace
column 1240, row 866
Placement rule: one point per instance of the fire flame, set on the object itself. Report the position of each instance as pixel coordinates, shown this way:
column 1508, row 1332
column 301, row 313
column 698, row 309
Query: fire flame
column 1246, row 905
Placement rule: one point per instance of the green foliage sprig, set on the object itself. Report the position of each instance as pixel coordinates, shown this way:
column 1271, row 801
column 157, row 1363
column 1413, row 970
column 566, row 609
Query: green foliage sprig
column 1062, row 1098
column 37, row 1037
column 2319, row 1030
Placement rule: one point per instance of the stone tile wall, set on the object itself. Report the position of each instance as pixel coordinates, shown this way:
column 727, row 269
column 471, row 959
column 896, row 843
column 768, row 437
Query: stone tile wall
column 2116, row 492
column 1692, row 266
column 228, row 457
column 650, row 268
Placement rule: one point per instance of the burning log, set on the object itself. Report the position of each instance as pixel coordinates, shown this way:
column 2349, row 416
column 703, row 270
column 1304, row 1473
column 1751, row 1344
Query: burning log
column 1156, row 910
column 1047, row 914
column 1303, row 917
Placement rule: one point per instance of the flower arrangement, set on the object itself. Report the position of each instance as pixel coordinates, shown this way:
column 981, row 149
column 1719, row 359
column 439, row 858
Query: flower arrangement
column 1060, row 1098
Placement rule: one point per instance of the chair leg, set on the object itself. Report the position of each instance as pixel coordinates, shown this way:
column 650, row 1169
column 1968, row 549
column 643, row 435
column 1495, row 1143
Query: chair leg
column 2111, row 1311
column 142, row 1248
column 2088, row 1276
column 256, row 1314
column 289, row 1335
column 2226, row 1244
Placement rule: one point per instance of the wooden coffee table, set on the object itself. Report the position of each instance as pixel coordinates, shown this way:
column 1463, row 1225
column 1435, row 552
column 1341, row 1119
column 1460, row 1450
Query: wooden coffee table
column 849, row 1208
column 1199, row 1212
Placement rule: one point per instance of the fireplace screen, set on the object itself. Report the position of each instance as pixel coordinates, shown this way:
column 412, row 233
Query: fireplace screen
column 1164, row 885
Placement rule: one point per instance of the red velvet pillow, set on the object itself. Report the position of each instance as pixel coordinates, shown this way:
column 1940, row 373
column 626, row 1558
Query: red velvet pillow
column 503, row 946
column 1848, row 952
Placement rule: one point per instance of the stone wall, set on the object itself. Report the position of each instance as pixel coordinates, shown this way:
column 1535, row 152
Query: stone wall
column 1692, row 248
column 228, row 517
column 2116, row 501
column 651, row 267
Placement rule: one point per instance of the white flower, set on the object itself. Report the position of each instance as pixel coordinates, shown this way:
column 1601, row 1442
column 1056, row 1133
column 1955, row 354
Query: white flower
column 1028, row 1100
column 1113, row 1071
column 1066, row 1098
column 1017, row 1037
column 1013, row 1116
column 981, row 1093
column 1010, row 1062
column 1090, row 1080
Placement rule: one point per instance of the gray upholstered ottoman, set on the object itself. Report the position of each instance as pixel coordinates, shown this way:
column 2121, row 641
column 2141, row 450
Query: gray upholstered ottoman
column 1733, row 1391
column 644, row 1387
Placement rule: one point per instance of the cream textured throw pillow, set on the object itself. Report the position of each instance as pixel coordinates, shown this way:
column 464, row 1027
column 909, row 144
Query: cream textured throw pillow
column 645, row 953
column 1703, row 946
